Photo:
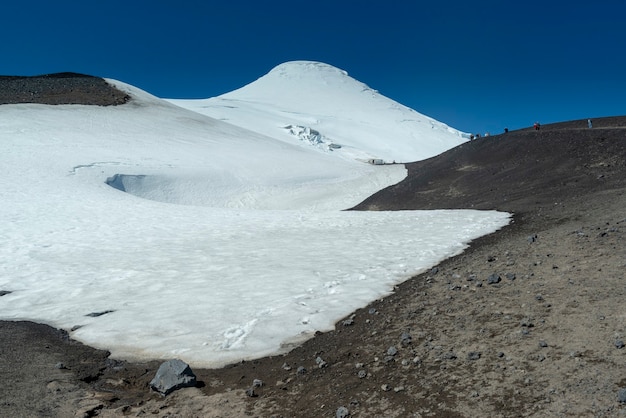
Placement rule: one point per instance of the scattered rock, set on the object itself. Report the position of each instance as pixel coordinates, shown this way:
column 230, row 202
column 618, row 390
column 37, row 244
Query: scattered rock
column 543, row 344
column 510, row 276
column 251, row 393
column 362, row 374
column 619, row 344
column 172, row 375
column 97, row 314
column 621, row 395
column 386, row 387
column 301, row 370
column 494, row 278
column 527, row 322
column 117, row 365
column 392, row 351
column 320, row 362
column 532, row 238
column 405, row 339
column 257, row 383
column 473, row 355
column 342, row 412
column 4, row 292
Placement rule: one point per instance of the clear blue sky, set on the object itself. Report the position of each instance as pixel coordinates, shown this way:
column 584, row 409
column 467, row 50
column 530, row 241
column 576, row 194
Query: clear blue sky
column 477, row 66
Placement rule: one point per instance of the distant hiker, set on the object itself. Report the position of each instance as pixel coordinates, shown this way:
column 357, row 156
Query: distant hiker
column 506, row 130
column 589, row 124
column 537, row 126
column 471, row 137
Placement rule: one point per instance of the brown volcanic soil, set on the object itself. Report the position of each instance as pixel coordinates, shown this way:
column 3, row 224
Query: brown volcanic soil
column 543, row 341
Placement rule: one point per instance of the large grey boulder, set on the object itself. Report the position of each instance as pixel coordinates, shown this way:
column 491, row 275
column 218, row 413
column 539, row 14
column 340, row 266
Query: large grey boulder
column 172, row 375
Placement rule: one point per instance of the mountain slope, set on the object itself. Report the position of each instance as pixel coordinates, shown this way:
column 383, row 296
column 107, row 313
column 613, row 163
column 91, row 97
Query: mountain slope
column 248, row 228
column 194, row 159
column 528, row 321
column 516, row 170
column 321, row 105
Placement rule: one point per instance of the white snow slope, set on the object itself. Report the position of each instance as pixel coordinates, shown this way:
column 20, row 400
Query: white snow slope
column 228, row 244
column 322, row 105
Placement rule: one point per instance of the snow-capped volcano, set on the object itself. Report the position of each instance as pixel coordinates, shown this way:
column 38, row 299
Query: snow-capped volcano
column 323, row 106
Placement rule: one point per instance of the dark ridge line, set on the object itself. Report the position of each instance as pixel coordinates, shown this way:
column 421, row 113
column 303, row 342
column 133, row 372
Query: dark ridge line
column 51, row 75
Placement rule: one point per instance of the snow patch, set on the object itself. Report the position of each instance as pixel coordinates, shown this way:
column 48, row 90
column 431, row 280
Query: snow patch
column 256, row 247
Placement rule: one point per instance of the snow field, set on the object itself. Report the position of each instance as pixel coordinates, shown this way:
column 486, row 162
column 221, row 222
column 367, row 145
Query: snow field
column 227, row 244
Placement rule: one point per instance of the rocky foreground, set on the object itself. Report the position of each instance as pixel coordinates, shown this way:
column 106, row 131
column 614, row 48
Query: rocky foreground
column 528, row 322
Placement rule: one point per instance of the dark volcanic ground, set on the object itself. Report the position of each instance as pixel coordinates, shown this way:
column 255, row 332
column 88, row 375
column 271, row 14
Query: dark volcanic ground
column 60, row 88
column 529, row 321
column 515, row 172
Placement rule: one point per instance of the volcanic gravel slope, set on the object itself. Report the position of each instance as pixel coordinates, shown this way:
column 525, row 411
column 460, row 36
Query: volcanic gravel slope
column 59, row 88
column 528, row 321
column 516, row 172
